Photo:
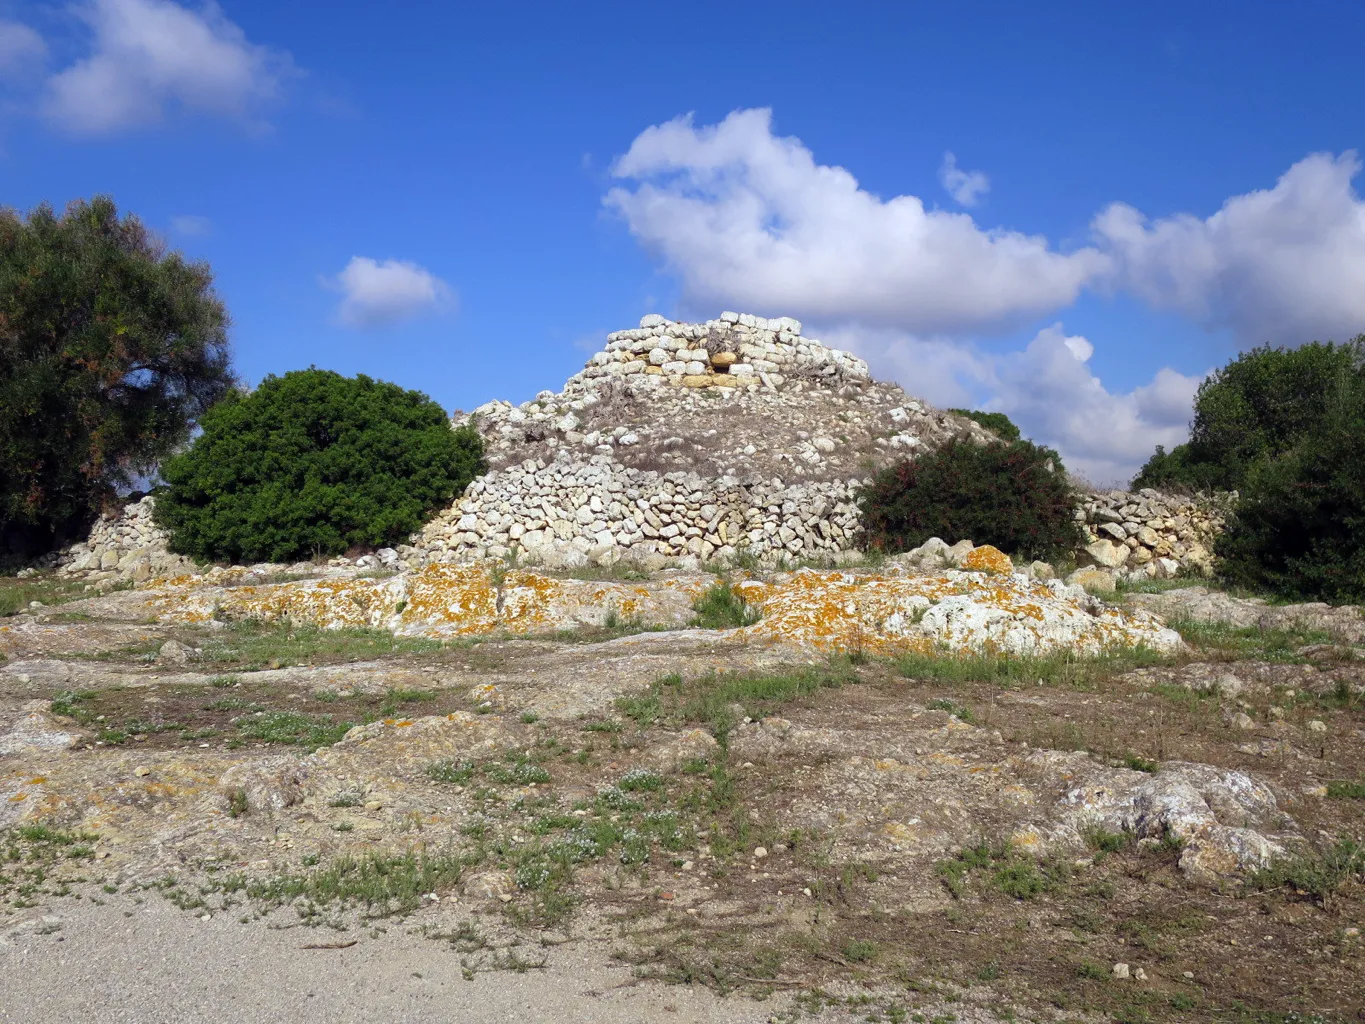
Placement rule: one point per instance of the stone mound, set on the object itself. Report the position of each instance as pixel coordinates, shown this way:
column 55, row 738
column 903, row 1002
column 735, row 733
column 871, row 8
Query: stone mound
column 687, row 440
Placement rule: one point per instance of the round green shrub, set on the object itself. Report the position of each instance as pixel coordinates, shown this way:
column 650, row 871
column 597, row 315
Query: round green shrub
column 1015, row 496
column 1299, row 526
column 314, row 463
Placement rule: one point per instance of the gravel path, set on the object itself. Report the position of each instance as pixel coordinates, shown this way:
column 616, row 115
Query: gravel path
column 155, row 964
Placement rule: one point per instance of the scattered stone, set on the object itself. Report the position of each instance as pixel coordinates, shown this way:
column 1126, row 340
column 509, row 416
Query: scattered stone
column 1316, row 725
column 173, row 652
column 1121, row 971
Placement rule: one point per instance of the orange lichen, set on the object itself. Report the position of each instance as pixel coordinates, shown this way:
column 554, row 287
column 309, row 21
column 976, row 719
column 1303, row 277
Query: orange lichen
column 987, row 559
column 987, row 609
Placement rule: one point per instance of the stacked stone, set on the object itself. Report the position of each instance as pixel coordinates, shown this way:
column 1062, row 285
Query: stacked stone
column 569, row 512
column 127, row 545
column 735, row 350
column 1149, row 534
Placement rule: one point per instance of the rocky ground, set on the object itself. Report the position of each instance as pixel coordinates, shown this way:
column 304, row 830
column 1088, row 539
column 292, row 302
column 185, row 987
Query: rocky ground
column 608, row 821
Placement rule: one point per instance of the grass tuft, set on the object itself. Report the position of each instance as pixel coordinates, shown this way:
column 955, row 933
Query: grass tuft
column 721, row 607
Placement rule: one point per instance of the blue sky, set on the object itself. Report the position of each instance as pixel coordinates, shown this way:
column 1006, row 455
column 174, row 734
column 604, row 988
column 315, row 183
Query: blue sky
column 465, row 198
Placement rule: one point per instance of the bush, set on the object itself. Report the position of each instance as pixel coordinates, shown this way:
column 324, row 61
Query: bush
column 110, row 348
column 1299, row 527
column 1259, row 406
column 313, row 463
column 1014, row 496
column 996, row 421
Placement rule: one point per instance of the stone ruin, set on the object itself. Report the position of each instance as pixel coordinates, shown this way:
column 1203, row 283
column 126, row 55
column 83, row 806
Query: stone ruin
column 683, row 443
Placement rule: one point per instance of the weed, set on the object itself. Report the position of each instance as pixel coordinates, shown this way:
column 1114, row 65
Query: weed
column 713, row 699
column 1318, row 873
column 859, row 951
column 292, row 727
column 72, row 704
column 1091, row 971
column 959, row 711
column 641, row 780
column 518, row 770
column 256, row 645
column 237, row 805
column 1346, row 790
column 642, row 710
column 1012, row 672
column 1138, row 763
column 1104, row 841
column 384, row 883
column 1239, row 643
column 721, row 607
column 1004, row 869
column 456, row 772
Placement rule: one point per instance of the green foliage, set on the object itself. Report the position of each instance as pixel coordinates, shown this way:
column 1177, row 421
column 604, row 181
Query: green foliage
column 292, row 727
column 1003, row 426
column 1258, row 407
column 1014, row 496
column 1299, row 527
column 110, row 348
column 314, row 463
column 1318, row 873
column 721, row 607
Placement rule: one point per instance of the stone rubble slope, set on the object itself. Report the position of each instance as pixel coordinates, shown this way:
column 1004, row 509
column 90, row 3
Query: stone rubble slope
column 981, row 608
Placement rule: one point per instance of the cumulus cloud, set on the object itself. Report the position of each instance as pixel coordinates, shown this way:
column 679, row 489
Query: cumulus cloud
column 1048, row 388
column 151, row 55
column 747, row 218
column 966, row 187
column 382, row 293
column 21, row 49
column 1281, row 265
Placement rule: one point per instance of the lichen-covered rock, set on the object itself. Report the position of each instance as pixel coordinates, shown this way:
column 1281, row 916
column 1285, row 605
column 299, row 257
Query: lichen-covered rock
column 950, row 611
column 1220, row 816
column 987, row 559
column 38, row 731
column 898, row 611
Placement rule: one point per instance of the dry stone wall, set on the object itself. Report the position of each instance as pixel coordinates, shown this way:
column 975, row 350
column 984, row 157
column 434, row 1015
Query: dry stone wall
column 127, row 545
column 568, row 512
column 1151, row 535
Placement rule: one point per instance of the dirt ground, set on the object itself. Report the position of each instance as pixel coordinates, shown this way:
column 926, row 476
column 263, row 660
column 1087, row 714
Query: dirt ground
column 670, row 826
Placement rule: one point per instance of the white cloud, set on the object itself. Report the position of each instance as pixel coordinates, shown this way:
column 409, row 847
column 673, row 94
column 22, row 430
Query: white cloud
column 382, row 293
column 1051, row 391
column 21, row 49
column 191, row 225
column 750, row 219
column 1281, row 265
column 149, row 55
column 1048, row 389
column 966, row 187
